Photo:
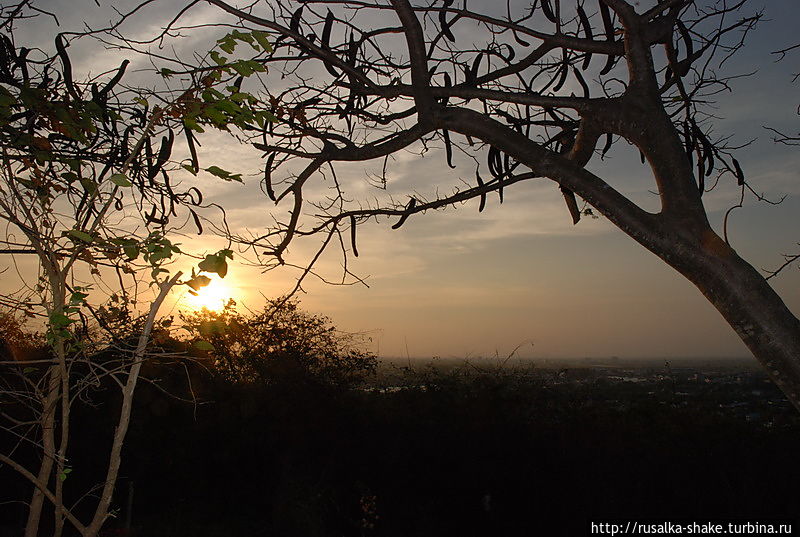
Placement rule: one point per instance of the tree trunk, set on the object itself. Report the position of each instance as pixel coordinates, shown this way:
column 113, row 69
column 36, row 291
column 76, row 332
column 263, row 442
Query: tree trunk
column 115, row 456
column 48, row 451
column 748, row 303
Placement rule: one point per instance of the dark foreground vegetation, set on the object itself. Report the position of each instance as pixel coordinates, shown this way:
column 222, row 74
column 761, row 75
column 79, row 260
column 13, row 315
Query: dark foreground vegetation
column 429, row 451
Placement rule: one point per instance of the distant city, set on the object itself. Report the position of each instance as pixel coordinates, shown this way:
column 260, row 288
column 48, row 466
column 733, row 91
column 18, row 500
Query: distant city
column 737, row 388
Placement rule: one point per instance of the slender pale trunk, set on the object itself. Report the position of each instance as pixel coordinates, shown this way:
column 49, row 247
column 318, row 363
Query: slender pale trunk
column 61, row 458
column 47, row 423
column 115, row 457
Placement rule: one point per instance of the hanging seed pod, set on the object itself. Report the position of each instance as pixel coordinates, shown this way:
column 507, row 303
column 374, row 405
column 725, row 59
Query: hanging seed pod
column 482, row 206
column 448, row 148
column 547, row 10
column 61, row 49
column 582, row 82
column 562, row 76
column 608, row 144
column 473, row 71
column 511, row 53
column 114, row 81
column 164, row 153
column 687, row 39
column 192, row 148
column 739, row 172
column 294, row 23
column 326, row 41
column 353, row 234
column 608, row 26
column 519, row 40
column 587, row 28
column 445, row 24
column 494, row 161
column 268, row 178
column 197, row 222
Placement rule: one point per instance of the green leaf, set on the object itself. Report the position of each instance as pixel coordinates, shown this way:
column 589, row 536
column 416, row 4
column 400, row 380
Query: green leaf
column 29, row 370
column 80, row 235
column 224, row 174
column 166, row 73
column 65, row 473
column 191, row 169
column 203, row 345
column 214, row 263
column 88, row 185
column 261, row 38
column 218, row 58
column 197, row 282
column 119, row 179
column 192, row 124
column 59, row 320
column 227, row 44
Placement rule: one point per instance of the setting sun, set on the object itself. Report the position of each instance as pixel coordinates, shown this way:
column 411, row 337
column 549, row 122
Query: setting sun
column 212, row 297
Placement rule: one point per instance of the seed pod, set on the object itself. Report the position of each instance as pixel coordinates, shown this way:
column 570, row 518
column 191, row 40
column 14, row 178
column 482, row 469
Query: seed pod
column 268, row 178
column 353, row 234
column 197, row 222
column 607, row 146
column 739, row 172
column 582, row 82
column 61, row 49
column 411, row 204
column 608, row 25
column 163, row 153
column 114, row 81
column 294, row 23
column 587, row 28
column 511, row 53
column 547, row 9
column 326, row 41
column 192, row 148
column 446, row 25
column 483, row 194
column 448, row 148
column 562, row 76
column 495, row 163
column 687, row 39
column 473, row 71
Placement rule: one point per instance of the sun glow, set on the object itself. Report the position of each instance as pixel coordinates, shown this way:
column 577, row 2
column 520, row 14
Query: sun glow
column 212, row 297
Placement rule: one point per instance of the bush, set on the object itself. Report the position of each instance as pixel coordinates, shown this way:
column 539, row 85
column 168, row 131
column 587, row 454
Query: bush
column 280, row 343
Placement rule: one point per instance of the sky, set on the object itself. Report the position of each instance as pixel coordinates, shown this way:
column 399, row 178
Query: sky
column 461, row 284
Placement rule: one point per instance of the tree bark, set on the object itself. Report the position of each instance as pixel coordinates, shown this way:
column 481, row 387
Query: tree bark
column 747, row 302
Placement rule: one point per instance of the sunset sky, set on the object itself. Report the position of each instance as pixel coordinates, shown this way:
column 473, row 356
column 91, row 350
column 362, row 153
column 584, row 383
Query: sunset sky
column 456, row 283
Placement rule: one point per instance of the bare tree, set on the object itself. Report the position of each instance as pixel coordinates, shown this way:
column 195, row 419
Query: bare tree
column 536, row 92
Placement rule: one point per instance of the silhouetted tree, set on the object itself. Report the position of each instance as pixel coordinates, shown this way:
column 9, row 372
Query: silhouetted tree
column 528, row 92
